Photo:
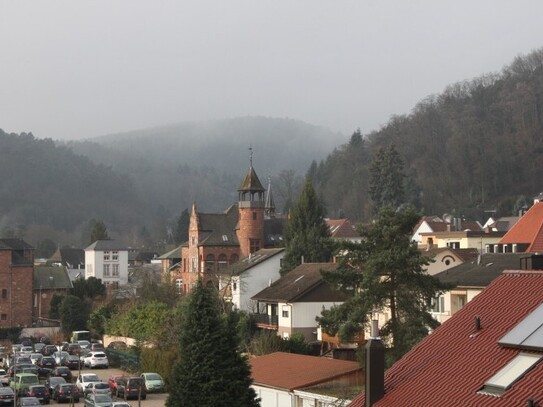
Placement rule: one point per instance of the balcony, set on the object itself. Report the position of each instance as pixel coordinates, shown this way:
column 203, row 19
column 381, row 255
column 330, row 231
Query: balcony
column 266, row 321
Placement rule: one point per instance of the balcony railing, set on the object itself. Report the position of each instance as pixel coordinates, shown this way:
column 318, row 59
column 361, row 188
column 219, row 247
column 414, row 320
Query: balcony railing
column 265, row 319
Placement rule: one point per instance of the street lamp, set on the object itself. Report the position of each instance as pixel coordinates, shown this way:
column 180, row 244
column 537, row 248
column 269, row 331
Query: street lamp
column 39, row 309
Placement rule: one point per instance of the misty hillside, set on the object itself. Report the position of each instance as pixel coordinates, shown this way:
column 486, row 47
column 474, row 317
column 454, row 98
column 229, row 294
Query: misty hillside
column 173, row 166
column 45, row 188
column 476, row 147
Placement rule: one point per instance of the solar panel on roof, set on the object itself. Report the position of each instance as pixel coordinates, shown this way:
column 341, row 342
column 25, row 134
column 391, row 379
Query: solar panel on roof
column 528, row 333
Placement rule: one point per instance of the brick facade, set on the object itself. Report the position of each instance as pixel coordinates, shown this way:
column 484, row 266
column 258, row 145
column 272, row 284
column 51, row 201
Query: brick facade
column 16, row 268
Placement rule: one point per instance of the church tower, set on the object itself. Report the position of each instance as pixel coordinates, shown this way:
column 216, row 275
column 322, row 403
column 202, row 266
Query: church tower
column 251, row 206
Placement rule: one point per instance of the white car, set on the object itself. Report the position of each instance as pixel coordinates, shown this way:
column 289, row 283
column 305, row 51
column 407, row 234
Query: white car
column 59, row 356
column 96, row 359
column 4, row 378
column 84, row 379
column 36, row 358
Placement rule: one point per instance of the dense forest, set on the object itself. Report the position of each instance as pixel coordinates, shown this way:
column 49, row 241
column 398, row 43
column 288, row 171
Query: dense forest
column 474, row 148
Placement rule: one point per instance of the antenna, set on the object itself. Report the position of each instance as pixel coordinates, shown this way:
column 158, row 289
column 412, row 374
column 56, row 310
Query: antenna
column 251, row 154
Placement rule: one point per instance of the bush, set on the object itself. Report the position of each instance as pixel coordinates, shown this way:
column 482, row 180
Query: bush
column 158, row 361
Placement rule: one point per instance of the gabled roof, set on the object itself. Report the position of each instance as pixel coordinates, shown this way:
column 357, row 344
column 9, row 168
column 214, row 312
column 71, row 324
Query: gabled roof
column 106, row 244
column 528, row 230
column 50, row 278
column 289, row 371
column 255, row 258
column 14, row 244
column 480, row 273
column 341, row 229
column 218, row 229
column 172, row 254
column 463, row 254
column 505, row 223
column 297, row 283
column 450, row 366
column 69, row 257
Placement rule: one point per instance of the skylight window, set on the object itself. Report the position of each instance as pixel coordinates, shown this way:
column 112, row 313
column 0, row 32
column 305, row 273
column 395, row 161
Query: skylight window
column 510, row 373
column 528, row 333
column 224, row 238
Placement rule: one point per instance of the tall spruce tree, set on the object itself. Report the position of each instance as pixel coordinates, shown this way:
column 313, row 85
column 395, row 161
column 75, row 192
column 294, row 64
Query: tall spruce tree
column 384, row 272
column 211, row 371
column 387, row 179
column 307, row 234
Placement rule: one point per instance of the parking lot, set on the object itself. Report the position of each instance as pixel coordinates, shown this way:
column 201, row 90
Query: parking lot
column 153, row 399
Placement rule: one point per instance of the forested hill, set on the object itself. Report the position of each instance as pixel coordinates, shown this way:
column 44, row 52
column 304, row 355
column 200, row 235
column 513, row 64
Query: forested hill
column 45, row 189
column 476, row 146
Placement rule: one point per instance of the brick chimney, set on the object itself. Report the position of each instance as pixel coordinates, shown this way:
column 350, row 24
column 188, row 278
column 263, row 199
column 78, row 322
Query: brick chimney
column 375, row 366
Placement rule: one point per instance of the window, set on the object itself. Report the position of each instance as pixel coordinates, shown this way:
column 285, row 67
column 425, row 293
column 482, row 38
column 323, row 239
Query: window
column 4, row 317
column 193, row 241
column 224, row 238
column 106, row 270
column 115, row 271
column 453, row 245
column 234, row 286
column 234, row 258
column 193, row 265
column 223, row 262
column 210, row 263
column 179, row 285
column 510, row 373
column 284, row 311
column 115, row 255
column 254, row 245
column 107, row 256
column 4, row 293
column 438, row 304
column 254, row 215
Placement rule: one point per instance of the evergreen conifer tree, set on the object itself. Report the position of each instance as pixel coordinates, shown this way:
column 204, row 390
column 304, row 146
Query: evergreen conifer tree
column 307, row 234
column 210, row 372
column 387, row 179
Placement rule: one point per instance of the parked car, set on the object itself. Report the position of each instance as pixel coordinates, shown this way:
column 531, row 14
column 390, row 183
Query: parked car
column 35, row 358
column 28, row 401
column 65, row 392
column 22, row 380
column 38, row 347
column 59, row 356
column 84, row 344
column 118, row 345
column 131, row 387
column 74, row 348
column 47, row 362
column 113, row 382
column 71, row 362
column 54, row 381
column 7, row 396
column 26, row 350
column 98, row 400
column 84, row 379
column 153, row 382
column 121, row 404
column 97, row 388
column 48, row 350
column 4, row 377
column 97, row 346
column 96, row 359
column 62, row 371
column 39, row 391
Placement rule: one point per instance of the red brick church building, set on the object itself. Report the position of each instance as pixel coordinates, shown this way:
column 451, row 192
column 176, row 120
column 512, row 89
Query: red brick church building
column 219, row 239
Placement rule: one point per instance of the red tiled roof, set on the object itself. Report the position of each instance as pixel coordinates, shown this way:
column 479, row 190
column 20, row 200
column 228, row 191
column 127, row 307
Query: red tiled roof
column 291, row 371
column 528, row 230
column 451, row 365
column 341, row 228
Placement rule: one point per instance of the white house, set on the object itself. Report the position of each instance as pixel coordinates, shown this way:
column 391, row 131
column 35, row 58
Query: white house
column 239, row 282
column 292, row 303
column 291, row 380
column 108, row 261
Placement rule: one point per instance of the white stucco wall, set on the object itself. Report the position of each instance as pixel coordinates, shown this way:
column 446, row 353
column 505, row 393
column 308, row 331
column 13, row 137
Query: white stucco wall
column 273, row 397
column 96, row 260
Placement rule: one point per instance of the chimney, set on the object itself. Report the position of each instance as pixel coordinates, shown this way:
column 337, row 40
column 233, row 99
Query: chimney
column 375, row 366
column 477, row 323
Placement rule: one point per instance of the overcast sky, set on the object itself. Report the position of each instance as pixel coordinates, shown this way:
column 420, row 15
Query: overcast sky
column 74, row 69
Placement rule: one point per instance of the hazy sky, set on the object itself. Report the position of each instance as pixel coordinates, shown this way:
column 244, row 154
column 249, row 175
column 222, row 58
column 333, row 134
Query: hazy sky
column 75, row 68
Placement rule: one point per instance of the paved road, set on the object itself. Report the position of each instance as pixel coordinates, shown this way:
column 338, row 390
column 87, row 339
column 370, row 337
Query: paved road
column 153, row 399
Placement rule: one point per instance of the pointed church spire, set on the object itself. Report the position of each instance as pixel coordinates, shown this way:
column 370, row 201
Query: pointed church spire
column 269, row 207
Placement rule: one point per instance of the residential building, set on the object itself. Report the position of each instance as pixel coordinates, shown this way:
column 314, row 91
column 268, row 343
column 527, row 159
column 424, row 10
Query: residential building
column 445, row 258
column 242, row 280
column 343, row 229
column 490, row 353
column 217, row 240
column 287, row 379
column 107, row 260
column 469, row 279
column 526, row 235
column 48, row 281
column 16, row 269
column 292, row 303
column 71, row 258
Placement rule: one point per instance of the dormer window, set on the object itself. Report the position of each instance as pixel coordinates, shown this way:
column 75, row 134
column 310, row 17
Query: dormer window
column 224, row 238
column 510, row 373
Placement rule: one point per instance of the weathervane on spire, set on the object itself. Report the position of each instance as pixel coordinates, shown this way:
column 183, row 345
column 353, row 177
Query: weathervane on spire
column 251, row 154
